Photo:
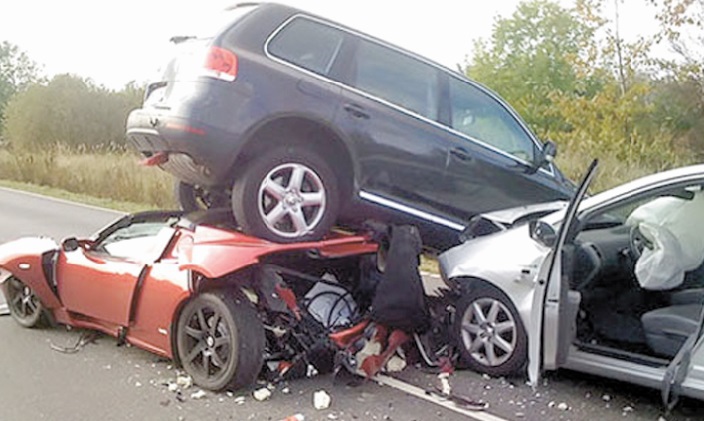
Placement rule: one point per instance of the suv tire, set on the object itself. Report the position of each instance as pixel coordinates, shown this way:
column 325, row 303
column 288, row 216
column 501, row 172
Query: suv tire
column 287, row 195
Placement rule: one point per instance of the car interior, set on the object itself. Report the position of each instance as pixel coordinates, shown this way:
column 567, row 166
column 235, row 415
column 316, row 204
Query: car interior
column 639, row 267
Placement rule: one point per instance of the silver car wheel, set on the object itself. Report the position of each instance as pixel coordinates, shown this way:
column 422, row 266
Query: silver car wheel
column 489, row 331
column 291, row 200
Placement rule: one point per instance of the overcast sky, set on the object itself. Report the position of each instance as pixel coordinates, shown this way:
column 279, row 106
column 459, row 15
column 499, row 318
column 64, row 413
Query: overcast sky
column 121, row 41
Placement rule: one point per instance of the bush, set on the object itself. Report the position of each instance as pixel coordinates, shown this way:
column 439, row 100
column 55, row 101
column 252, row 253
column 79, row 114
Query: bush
column 105, row 174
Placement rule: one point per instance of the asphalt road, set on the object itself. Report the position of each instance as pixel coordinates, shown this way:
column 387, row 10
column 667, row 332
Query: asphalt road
column 106, row 382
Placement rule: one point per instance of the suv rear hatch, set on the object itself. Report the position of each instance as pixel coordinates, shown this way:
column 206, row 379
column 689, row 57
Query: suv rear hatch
column 194, row 54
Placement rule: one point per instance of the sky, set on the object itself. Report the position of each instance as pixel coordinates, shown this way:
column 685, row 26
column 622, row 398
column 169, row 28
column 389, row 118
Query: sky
column 116, row 42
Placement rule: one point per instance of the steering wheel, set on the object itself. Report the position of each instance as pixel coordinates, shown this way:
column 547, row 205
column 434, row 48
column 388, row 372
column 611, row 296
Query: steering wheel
column 638, row 242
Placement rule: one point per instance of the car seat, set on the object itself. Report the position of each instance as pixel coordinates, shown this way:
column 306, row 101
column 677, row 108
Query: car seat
column 667, row 328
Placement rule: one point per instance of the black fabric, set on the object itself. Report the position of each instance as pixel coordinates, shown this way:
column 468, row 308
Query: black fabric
column 615, row 314
column 399, row 301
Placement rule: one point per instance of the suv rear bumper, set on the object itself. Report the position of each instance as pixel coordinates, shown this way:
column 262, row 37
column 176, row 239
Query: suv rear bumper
column 196, row 153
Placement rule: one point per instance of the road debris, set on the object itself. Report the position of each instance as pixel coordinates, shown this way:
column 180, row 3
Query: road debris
column 86, row 338
column 240, row 400
column 184, row 381
column 562, row 406
column 4, row 310
column 295, row 417
column 200, row 394
column 321, row 400
column 262, row 394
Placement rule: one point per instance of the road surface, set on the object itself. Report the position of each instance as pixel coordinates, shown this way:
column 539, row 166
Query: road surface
column 106, row 382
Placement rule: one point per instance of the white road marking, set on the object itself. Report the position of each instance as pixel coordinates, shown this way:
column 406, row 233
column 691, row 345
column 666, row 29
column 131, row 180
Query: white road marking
column 420, row 393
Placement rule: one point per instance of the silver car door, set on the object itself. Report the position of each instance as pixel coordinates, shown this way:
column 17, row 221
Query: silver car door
column 554, row 308
column 681, row 365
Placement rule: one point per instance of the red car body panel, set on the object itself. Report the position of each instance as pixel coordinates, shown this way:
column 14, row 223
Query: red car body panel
column 140, row 300
column 203, row 252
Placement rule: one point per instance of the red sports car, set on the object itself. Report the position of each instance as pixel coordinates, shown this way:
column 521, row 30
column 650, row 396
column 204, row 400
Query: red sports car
column 191, row 288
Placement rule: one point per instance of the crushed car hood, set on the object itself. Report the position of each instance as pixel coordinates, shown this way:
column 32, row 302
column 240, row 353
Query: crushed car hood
column 509, row 217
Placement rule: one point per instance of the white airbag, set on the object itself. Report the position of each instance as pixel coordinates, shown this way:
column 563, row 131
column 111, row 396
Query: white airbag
column 674, row 227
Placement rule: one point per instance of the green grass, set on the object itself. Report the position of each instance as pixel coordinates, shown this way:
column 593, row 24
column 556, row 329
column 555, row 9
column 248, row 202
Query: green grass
column 114, row 179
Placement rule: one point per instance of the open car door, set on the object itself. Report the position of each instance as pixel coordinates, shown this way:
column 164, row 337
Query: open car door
column 554, row 308
column 681, row 365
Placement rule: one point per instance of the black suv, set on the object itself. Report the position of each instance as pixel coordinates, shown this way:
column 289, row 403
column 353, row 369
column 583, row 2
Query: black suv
column 298, row 123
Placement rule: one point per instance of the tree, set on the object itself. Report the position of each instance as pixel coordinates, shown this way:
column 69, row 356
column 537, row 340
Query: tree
column 69, row 111
column 573, row 78
column 681, row 91
column 17, row 71
column 536, row 52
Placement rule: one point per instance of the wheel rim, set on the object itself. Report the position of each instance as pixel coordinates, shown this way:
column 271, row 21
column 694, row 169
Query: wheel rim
column 208, row 343
column 291, row 200
column 23, row 303
column 489, row 332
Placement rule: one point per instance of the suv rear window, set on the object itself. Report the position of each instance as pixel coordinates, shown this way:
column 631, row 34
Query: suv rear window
column 308, row 44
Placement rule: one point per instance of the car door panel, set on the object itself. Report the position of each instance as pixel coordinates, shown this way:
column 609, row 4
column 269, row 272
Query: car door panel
column 491, row 154
column 389, row 110
column 554, row 305
column 99, row 279
column 97, row 285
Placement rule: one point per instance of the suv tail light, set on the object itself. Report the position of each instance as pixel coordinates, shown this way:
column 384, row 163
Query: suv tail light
column 221, row 64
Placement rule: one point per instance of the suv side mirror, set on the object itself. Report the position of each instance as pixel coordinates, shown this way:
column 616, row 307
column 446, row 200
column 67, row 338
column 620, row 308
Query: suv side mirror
column 547, row 155
column 70, row 244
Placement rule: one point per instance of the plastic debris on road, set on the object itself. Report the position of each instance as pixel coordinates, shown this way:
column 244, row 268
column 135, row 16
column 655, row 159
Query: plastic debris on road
column 184, row 381
column 200, row 394
column 262, row 394
column 321, row 400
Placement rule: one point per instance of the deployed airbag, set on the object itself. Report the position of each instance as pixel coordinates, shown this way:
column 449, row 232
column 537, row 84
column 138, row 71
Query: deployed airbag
column 673, row 225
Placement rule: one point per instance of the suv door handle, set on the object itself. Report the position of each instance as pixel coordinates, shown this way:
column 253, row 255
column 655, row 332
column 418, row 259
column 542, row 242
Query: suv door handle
column 461, row 153
column 356, row 111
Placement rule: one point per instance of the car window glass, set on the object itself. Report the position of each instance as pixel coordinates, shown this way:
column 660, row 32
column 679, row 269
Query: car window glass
column 397, row 78
column 308, row 44
column 135, row 242
column 478, row 115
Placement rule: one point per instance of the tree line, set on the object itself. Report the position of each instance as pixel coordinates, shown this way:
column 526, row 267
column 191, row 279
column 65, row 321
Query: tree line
column 566, row 70
column 571, row 75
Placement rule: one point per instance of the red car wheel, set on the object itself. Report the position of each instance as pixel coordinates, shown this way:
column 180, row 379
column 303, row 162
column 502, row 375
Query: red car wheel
column 24, row 305
column 220, row 340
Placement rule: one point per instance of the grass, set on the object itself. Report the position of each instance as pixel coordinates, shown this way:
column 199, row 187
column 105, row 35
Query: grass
column 115, row 179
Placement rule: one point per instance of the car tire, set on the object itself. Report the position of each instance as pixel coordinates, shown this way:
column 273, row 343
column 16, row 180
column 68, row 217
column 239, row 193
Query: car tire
column 194, row 198
column 287, row 195
column 220, row 340
column 24, row 305
column 489, row 333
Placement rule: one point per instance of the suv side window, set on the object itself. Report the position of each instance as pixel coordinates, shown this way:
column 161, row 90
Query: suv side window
column 308, row 44
column 397, row 78
column 477, row 115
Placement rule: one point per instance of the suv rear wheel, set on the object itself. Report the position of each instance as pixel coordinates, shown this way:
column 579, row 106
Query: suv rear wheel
column 289, row 194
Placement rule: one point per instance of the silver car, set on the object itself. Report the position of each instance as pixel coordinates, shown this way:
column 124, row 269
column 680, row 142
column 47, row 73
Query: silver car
column 611, row 285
